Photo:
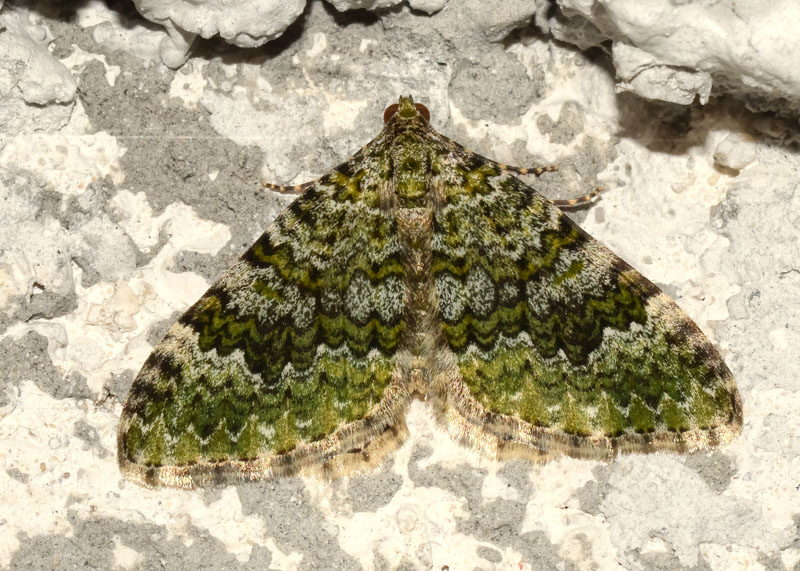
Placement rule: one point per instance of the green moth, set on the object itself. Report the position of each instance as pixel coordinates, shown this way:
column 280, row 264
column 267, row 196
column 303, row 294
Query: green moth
column 419, row 269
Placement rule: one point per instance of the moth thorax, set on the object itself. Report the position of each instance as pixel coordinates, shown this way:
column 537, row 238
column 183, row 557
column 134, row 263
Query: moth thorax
column 415, row 226
column 411, row 167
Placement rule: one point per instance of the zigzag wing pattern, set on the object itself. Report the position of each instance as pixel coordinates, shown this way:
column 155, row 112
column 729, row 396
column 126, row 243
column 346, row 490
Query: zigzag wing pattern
column 559, row 346
column 288, row 361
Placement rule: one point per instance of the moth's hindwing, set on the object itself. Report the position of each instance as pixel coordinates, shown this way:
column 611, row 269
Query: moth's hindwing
column 560, row 346
column 288, row 361
column 420, row 269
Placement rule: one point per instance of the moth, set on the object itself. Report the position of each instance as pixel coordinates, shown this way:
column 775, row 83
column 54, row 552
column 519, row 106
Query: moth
column 418, row 269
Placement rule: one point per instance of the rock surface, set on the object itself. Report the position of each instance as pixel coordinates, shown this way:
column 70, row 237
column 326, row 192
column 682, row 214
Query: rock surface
column 668, row 51
column 127, row 187
column 679, row 51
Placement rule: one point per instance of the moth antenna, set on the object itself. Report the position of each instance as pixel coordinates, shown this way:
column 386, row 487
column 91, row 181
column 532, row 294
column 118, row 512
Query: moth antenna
column 291, row 189
column 576, row 201
column 535, row 171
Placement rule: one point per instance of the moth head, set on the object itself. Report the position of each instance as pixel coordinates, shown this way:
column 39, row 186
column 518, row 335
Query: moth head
column 406, row 109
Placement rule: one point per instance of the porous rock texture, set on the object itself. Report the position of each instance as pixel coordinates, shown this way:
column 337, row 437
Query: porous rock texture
column 127, row 187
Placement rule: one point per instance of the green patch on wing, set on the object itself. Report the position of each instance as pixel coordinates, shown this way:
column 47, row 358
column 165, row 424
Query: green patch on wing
column 575, row 347
column 237, row 383
column 417, row 261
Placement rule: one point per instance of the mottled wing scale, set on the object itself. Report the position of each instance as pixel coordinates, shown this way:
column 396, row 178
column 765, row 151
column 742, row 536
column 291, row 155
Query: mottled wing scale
column 289, row 361
column 559, row 346
column 419, row 269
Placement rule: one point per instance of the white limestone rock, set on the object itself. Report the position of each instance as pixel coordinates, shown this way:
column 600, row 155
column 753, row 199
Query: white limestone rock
column 679, row 51
column 26, row 64
column 30, row 77
column 34, row 261
column 244, row 23
column 427, row 6
column 736, row 151
column 648, row 76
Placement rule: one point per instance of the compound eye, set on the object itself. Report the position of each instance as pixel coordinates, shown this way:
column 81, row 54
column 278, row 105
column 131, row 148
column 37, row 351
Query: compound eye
column 390, row 111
